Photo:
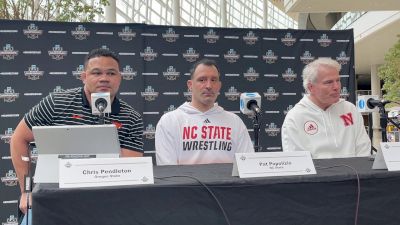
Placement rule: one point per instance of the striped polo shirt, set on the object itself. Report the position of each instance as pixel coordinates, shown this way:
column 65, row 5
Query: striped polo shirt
column 71, row 107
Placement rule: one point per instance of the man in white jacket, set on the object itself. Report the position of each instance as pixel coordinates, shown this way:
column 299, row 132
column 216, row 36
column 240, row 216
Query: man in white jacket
column 200, row 131
column 321, row 122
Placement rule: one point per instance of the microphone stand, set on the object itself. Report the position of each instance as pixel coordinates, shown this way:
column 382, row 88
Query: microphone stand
column 256, row 128
column 101, row 118
column 383, row 120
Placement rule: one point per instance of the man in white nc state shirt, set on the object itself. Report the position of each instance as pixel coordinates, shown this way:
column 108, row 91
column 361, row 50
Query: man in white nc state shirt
column 201, row 131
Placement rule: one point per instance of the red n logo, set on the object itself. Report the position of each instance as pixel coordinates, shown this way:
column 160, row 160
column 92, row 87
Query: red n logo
column 347, row 119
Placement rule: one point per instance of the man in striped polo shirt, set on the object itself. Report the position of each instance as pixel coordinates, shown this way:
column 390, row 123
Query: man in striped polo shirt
column 72, row 107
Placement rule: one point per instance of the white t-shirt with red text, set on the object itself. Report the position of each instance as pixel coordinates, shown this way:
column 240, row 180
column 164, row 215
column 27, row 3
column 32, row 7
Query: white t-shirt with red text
column 189, row 136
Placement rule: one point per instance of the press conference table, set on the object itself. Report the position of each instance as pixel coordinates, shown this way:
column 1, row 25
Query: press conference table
column 327, row 198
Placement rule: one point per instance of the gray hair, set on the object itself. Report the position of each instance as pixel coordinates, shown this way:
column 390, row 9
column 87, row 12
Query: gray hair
column 310, row 71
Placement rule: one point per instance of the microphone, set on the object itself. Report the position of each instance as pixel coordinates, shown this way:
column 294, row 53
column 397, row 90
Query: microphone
column 250, row 103
column 372, row 103
column 100, row 103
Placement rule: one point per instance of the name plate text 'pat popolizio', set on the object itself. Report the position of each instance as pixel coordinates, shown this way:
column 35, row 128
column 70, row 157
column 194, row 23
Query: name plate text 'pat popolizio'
column 97, row 172
column 266, row 164
column 391, row 155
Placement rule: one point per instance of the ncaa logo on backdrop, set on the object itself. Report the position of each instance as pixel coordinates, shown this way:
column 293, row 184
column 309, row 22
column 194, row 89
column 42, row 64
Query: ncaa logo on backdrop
column 77, row 73
column 250, row 38
column 33, row 73
column 149, row 132
column 272, row 130
column 105, row 47
column 342, row 58
column 127, row 34
column 251, row 74
column 7, row 135
column 170, row 109
column 57, row 53
column 171, row 73
column 58, row 89
column 306, row 58
column 10, row 179
column 148, row 54
column 288, row 40
column 191, row 55
column 270, row 57
column 128, row 73
column 80, row 33
column 32, row 31
column 289, row 75
column 287, row 109
column 188, row 95
column 344, row 93
column 232, row 94
column 149, row 94
column 8, row 52
column 324, row 41
column 231, row 56
column 9, row 95
column 11, row 220
column 211, row 37
column 170, row 35
column 271, row 94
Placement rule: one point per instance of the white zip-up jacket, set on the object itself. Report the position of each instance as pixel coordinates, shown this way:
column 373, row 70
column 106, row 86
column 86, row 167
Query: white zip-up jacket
column 189, row 136
column 337, row 132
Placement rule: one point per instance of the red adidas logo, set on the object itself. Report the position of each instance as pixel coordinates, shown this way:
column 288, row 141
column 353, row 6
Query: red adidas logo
column 311, row 127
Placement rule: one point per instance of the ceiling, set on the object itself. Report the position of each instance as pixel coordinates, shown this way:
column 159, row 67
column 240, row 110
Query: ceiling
column 317, row 6
column 372, row 43
column 370, row 48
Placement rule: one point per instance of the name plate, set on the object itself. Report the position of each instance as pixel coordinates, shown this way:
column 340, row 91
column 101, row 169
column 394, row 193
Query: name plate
column 391, row 155
column 97, row 172
column 266, row 164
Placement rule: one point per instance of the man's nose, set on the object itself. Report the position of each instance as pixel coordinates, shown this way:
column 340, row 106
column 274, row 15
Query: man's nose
column 104, row 77
column 337, row 85
column 208, row 84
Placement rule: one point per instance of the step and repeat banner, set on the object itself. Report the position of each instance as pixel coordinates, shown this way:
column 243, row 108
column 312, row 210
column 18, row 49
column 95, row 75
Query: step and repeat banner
column 37, row 58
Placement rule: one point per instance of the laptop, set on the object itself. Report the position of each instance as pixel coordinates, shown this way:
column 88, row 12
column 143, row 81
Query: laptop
column 71, row 141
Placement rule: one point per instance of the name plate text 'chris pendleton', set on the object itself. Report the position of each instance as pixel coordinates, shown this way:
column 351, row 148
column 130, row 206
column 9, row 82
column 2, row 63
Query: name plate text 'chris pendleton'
column 98, row 172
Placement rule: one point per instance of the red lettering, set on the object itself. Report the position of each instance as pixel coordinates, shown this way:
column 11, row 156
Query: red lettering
column 216, row 132
column 194, row 135
column 186, row 132
column 204, row 132
column 228, row 133
column 223, row 132
column 189, row 132
column 347, row 119
column 210, row 131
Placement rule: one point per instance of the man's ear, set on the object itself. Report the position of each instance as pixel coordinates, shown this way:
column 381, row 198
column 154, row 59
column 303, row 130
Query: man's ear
column 310, row 87
column 189, row 84
column 83, row 77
